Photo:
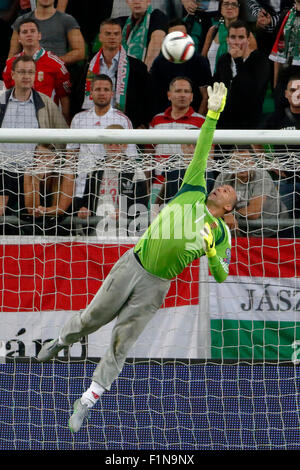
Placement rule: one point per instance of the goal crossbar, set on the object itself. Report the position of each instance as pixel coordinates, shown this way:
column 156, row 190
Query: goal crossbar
column 147, row 136
column 217, row 366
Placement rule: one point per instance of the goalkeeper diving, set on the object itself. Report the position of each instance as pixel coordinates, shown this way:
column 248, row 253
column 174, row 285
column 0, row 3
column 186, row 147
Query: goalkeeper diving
column 138, row 283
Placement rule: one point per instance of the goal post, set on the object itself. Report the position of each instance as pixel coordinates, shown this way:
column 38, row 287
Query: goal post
column 217, row 367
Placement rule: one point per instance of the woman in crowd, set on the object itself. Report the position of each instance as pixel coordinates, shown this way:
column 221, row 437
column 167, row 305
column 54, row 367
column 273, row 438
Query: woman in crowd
column 216, row 39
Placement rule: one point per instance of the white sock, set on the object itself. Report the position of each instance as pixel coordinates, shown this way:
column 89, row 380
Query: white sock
column 60, row 341
column 92, row 394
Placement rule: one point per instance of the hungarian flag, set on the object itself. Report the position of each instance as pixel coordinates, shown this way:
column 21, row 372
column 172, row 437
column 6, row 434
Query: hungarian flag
column 255, row 313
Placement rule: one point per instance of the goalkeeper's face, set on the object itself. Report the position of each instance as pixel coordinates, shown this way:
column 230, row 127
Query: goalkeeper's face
column 224, row 198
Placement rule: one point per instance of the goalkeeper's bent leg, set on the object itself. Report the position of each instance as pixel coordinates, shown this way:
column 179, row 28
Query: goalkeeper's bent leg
column 105, row 305
column 147, row 297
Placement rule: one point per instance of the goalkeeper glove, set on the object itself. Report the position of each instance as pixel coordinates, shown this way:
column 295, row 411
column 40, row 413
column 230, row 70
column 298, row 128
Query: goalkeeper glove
column 216, row 100
column 208, row 242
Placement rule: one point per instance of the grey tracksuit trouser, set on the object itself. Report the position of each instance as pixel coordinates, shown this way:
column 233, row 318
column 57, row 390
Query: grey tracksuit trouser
column 132, row 295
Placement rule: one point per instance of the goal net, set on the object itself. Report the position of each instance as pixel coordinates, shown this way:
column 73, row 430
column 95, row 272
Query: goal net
column 217, row 367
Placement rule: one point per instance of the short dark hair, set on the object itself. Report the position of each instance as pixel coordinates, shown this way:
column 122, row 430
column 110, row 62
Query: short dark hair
column 293, row 76
column 176, row 22
column 110, row 21
column 175, row 79
column 28, row 20
column 240, row 24
column 22, row 58
column 102, row 76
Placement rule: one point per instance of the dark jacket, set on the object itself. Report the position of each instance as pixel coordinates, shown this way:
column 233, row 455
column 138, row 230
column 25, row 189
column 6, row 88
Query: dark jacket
column 139, row 102
column 163, row 71
column 139, row 98
column 246, row 91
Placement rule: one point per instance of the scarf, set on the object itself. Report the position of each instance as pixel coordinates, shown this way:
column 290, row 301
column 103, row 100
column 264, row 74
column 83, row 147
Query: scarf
column 135, row 36
column 121, row 80
column 38, row 54
column 286, row 46
column 223, row 47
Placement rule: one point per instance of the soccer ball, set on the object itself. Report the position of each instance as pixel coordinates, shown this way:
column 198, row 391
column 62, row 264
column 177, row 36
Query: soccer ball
column 178, row 47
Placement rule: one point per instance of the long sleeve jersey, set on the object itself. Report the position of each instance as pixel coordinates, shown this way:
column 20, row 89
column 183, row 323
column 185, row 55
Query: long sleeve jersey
column 173, row 239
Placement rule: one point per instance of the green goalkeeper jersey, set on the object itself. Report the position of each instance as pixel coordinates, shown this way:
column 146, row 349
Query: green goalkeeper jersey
column 173, row 240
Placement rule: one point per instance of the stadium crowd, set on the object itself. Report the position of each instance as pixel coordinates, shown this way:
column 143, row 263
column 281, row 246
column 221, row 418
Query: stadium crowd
column 65, row 65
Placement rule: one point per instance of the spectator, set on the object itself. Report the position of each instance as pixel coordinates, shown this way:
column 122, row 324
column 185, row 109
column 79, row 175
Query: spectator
column 25, row 7
column 199, row 16
column 62, row 36
column 131, row 81
column 196, row 69
column 100, row 116
column 171, row 8
column 245, row 74
column 285, row 52
column 288, row 118
column 60, row 33
column 216, row 39
column 8, row 13
column 23, row 107
column 118, row 195
column 143, row 31
column 179, row 115
column 257, row 195
column 193, row 7
column 88, row 15
column 268, row 15
column 48, row 192
column 173, row 178
column 52, row 77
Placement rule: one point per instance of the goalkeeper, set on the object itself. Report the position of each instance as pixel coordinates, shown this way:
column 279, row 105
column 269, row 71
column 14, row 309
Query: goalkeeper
column 136, row 286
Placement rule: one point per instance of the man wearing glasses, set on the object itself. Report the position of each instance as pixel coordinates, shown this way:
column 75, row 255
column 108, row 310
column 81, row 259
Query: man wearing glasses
column 24, row 107
column 52, row 76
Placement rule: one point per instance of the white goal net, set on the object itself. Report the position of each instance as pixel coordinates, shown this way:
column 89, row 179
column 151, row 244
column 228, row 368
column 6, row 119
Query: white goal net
column 217, row 368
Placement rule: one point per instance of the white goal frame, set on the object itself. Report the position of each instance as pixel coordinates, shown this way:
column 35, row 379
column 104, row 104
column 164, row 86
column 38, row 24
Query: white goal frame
column 148, row 136
column 162, row 401
column 237, row 137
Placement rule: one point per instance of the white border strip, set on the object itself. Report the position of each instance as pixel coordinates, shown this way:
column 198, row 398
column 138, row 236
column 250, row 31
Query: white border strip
column 53, row 240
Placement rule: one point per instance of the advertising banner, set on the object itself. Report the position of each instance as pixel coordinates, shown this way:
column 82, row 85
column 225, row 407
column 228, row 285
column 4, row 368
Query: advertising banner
column 42, row 285
column 254, row 314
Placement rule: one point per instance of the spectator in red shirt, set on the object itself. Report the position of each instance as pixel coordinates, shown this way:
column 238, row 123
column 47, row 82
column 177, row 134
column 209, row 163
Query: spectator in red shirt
column 52, row 77
column 179, row 115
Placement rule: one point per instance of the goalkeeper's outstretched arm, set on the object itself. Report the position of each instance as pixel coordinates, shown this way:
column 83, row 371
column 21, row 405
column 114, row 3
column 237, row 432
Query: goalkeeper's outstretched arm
column 195, row 173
